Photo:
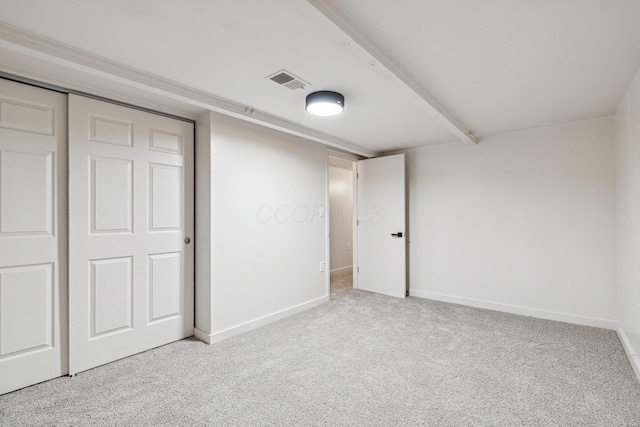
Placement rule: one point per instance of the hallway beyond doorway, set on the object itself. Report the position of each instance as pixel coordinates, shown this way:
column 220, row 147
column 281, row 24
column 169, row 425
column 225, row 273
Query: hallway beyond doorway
column 341, row 281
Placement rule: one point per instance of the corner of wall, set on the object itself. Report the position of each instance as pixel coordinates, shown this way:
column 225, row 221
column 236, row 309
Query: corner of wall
column 203, row 305
column 628, row 349
column 627, row 168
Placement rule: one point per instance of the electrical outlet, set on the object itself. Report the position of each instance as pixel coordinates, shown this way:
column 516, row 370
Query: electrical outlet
column 323, row 266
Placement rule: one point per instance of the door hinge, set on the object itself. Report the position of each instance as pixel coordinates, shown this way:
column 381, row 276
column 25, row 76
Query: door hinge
column 358, row 269
column 357, row 222
column 357, row 175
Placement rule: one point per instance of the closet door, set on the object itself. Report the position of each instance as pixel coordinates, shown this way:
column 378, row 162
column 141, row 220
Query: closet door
column 33, row 235
column 131, row 281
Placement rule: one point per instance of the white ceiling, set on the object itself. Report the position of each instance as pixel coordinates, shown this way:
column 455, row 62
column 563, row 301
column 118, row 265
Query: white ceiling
column 489, row 66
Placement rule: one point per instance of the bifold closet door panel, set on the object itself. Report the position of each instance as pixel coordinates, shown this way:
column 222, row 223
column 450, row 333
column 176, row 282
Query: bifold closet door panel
column 33, row 235
column 131, row 207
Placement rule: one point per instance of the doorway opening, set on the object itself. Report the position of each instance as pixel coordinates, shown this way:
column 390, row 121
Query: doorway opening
column 341, row 200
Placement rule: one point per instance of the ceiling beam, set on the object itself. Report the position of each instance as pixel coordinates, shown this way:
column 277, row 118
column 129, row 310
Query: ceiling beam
column 34, row 46
column 347, row 24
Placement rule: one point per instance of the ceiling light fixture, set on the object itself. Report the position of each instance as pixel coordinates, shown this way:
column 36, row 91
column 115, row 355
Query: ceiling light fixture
column 325, row 103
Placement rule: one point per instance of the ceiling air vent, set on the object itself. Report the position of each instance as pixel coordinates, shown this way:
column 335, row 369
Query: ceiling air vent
column 285, row 78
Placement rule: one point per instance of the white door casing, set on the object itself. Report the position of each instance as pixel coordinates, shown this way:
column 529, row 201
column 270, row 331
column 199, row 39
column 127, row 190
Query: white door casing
column 131, row 281
column 33, row 235
column 381, row 256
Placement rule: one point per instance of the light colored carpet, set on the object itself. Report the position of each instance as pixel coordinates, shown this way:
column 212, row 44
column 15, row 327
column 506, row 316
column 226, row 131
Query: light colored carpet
column 361, row 359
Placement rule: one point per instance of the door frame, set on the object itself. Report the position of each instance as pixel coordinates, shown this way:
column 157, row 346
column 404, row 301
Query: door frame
column 353, row 158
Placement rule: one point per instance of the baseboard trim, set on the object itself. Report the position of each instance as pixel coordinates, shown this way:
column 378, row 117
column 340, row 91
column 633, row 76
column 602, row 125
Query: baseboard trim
column 265, row 320
column 202, row 336
column 349, row 267
column 516, row 309
column 628, row 349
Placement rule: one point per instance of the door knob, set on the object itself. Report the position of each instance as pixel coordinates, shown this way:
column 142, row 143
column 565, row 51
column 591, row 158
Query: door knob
column 187, row 240
column 396, row 234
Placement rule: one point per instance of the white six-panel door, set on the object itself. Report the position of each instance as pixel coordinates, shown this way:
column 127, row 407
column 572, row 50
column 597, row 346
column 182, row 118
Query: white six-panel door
column 33, row 235
column 131, row 222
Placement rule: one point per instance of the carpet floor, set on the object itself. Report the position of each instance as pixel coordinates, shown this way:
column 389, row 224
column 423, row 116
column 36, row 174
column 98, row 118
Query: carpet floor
column 360, row 359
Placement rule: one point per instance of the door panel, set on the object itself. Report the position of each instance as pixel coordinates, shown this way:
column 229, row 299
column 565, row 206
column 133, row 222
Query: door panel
column 33, row 283
column 131, row 204
column 381, row 214
column 111, row 189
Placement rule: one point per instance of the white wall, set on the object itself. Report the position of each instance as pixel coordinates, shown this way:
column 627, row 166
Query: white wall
column 341, row 202
column 266, row 240
column 203, row 303
column 522, row 222
column 627, row 138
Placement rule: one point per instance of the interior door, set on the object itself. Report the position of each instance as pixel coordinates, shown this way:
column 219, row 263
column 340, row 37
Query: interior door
column 33, row 284
column 381, row 234
column 131, row 281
